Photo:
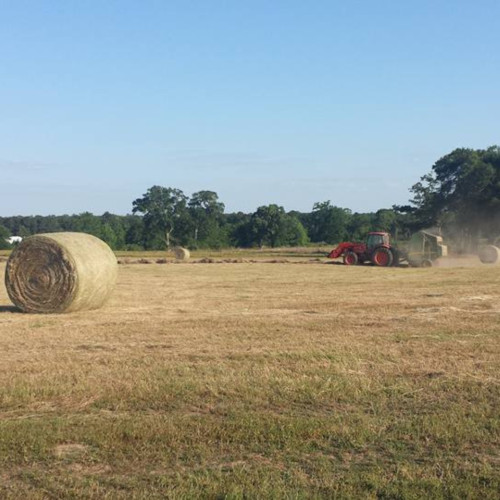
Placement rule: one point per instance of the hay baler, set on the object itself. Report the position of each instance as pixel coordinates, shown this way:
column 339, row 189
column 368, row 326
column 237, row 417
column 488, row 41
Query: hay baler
column 422, row 250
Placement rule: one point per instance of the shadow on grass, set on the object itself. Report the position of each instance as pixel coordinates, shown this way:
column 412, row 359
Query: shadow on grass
column 9, row 309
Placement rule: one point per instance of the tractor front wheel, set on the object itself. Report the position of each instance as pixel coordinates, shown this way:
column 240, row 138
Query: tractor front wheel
column 382, row 257
column 350, row 258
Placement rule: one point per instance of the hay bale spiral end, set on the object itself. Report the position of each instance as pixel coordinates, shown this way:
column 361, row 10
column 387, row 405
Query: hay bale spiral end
column 60, row 272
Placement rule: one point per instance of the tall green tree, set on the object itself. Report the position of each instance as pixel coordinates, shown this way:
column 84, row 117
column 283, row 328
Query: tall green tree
column 237, row 229
column 271, row 225
column 266, row 223
column 163, row 210
column 87, row 222
column 134, row 232
column 113, row 227
column 328, row 223
column 293, row 233
column 206, row 213
column 390, row 221
column 461, row 193
column 4, row 234
column 359, row 225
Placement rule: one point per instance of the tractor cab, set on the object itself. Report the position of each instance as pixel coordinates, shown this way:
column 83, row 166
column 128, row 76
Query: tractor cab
column 377, row 239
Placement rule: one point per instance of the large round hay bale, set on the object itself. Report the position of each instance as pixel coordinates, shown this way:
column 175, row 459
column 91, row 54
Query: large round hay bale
column 181, row 253
column 60, row 272
column 489, row 254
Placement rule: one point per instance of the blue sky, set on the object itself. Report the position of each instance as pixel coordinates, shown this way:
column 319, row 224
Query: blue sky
column 286, row 102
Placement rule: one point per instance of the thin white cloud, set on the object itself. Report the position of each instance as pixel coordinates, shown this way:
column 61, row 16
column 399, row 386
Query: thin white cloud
column 24, row 165
column 213, row 160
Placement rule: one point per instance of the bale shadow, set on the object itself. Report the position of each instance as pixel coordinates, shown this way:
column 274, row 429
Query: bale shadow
column 9, row 309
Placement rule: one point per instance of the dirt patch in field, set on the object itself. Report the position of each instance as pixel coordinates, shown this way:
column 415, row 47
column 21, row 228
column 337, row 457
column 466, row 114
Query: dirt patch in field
column 70, row 451
column 459, row 261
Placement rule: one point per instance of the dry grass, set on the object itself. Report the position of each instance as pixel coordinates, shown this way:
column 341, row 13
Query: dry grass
column 258, row 380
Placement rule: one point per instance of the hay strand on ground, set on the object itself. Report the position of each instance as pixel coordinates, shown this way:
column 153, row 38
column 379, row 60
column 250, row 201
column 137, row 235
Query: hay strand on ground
column 489, row 254
column 60, row 272
column 181, row 253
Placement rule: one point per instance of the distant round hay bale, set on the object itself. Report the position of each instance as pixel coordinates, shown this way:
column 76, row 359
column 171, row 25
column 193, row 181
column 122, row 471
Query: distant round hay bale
column 60, row 272
column 489, row 254
column 181, row 253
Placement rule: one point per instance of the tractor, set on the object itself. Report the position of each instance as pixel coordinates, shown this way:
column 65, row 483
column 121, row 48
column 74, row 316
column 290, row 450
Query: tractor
column 377, row 250
column 421, row 250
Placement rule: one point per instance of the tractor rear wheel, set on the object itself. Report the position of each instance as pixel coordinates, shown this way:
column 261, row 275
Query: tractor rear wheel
column 350, row 258
column 382, row 257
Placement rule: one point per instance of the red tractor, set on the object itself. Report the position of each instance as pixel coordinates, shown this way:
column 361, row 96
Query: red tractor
column 377, row 250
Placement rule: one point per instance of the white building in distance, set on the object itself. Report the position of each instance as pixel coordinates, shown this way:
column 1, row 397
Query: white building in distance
column 14, row 239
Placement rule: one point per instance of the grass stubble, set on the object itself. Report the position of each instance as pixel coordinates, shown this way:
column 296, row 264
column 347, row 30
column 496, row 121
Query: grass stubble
column 259, row 381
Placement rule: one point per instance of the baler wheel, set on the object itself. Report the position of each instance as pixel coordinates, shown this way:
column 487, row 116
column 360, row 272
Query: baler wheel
column 395, row 258
column 350, row 258
column 382, row 257
column 426, row 263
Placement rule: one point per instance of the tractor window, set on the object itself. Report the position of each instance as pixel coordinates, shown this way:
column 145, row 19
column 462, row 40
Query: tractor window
column 376, row 240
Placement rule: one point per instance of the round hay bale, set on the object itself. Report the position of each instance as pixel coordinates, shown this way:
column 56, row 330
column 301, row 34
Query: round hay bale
column 60, row 272
column 489, row 254
column 181, row 253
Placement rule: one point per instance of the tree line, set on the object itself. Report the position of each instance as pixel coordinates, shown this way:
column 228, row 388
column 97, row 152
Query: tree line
column 200, row 222
column 460, row 197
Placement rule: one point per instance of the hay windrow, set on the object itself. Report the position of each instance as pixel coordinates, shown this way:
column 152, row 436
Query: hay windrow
column 489, row 254
column 60, row 272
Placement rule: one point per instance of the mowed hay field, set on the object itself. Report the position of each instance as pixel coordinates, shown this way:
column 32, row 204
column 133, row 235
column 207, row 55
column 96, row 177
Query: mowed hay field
column 258, row 380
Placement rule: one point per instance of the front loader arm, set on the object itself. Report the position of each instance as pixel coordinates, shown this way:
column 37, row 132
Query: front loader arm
column 340, row 249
